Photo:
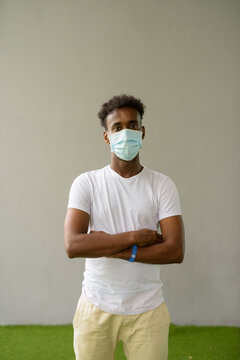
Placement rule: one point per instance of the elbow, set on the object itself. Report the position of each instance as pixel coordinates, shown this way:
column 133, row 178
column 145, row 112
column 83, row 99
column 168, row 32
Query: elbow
column 180, row 257
column 179, row 254
column 70, row 254
column 180, row 260
column 73, row 248
column 68, row 248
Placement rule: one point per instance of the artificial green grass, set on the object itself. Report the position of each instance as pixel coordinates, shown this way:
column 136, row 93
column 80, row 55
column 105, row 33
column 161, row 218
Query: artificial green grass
column 30, row 342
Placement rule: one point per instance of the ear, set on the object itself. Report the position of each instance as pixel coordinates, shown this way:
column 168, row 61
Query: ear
column 105, row 136
column 143, row 130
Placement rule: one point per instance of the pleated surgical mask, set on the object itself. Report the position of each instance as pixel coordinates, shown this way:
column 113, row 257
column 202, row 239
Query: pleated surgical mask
column 126, row 143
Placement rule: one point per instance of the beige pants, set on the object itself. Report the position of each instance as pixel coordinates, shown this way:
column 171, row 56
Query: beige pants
column 96, row 333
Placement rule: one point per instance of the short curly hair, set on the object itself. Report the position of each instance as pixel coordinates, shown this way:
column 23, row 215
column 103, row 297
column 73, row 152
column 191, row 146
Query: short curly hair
column 117, row 102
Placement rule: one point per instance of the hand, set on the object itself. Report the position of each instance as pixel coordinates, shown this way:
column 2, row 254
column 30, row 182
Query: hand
column 146, row 237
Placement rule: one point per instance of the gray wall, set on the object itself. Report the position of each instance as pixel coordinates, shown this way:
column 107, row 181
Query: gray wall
column 60, row 60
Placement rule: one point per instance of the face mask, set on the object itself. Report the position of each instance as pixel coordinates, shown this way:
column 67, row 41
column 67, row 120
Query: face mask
column 126, row 143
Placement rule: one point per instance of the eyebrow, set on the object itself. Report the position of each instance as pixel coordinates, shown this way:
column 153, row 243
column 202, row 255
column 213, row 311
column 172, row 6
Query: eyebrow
column 119, row 123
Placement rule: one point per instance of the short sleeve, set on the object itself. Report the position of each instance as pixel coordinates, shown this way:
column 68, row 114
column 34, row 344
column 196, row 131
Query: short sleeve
column 79, row 195
column 168, row 200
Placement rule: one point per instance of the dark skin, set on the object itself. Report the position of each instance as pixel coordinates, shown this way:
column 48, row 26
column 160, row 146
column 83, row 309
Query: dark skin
column 119, row 119
column 172, row 227
column 153, row 248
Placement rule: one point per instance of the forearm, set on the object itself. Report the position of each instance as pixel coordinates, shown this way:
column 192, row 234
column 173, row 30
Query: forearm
column 161, row 253
column 99, row 244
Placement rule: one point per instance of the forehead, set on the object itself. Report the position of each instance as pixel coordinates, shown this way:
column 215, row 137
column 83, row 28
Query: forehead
column 123, row 114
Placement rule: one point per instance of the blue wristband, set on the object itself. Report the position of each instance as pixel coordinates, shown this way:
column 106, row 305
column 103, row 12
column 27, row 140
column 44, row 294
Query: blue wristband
column 134, row 253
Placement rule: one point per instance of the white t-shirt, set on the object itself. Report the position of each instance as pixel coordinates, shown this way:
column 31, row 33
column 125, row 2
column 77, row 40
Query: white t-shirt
column 117, row 204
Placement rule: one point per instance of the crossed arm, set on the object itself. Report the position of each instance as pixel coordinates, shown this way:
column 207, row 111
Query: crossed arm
column 170, row 250
column 164, row 249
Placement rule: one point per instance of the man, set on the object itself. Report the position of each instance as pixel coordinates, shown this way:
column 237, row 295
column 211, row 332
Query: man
column 112, row 220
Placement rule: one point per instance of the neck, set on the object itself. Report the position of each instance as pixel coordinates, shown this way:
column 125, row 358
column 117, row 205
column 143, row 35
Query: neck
column 126, row 168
